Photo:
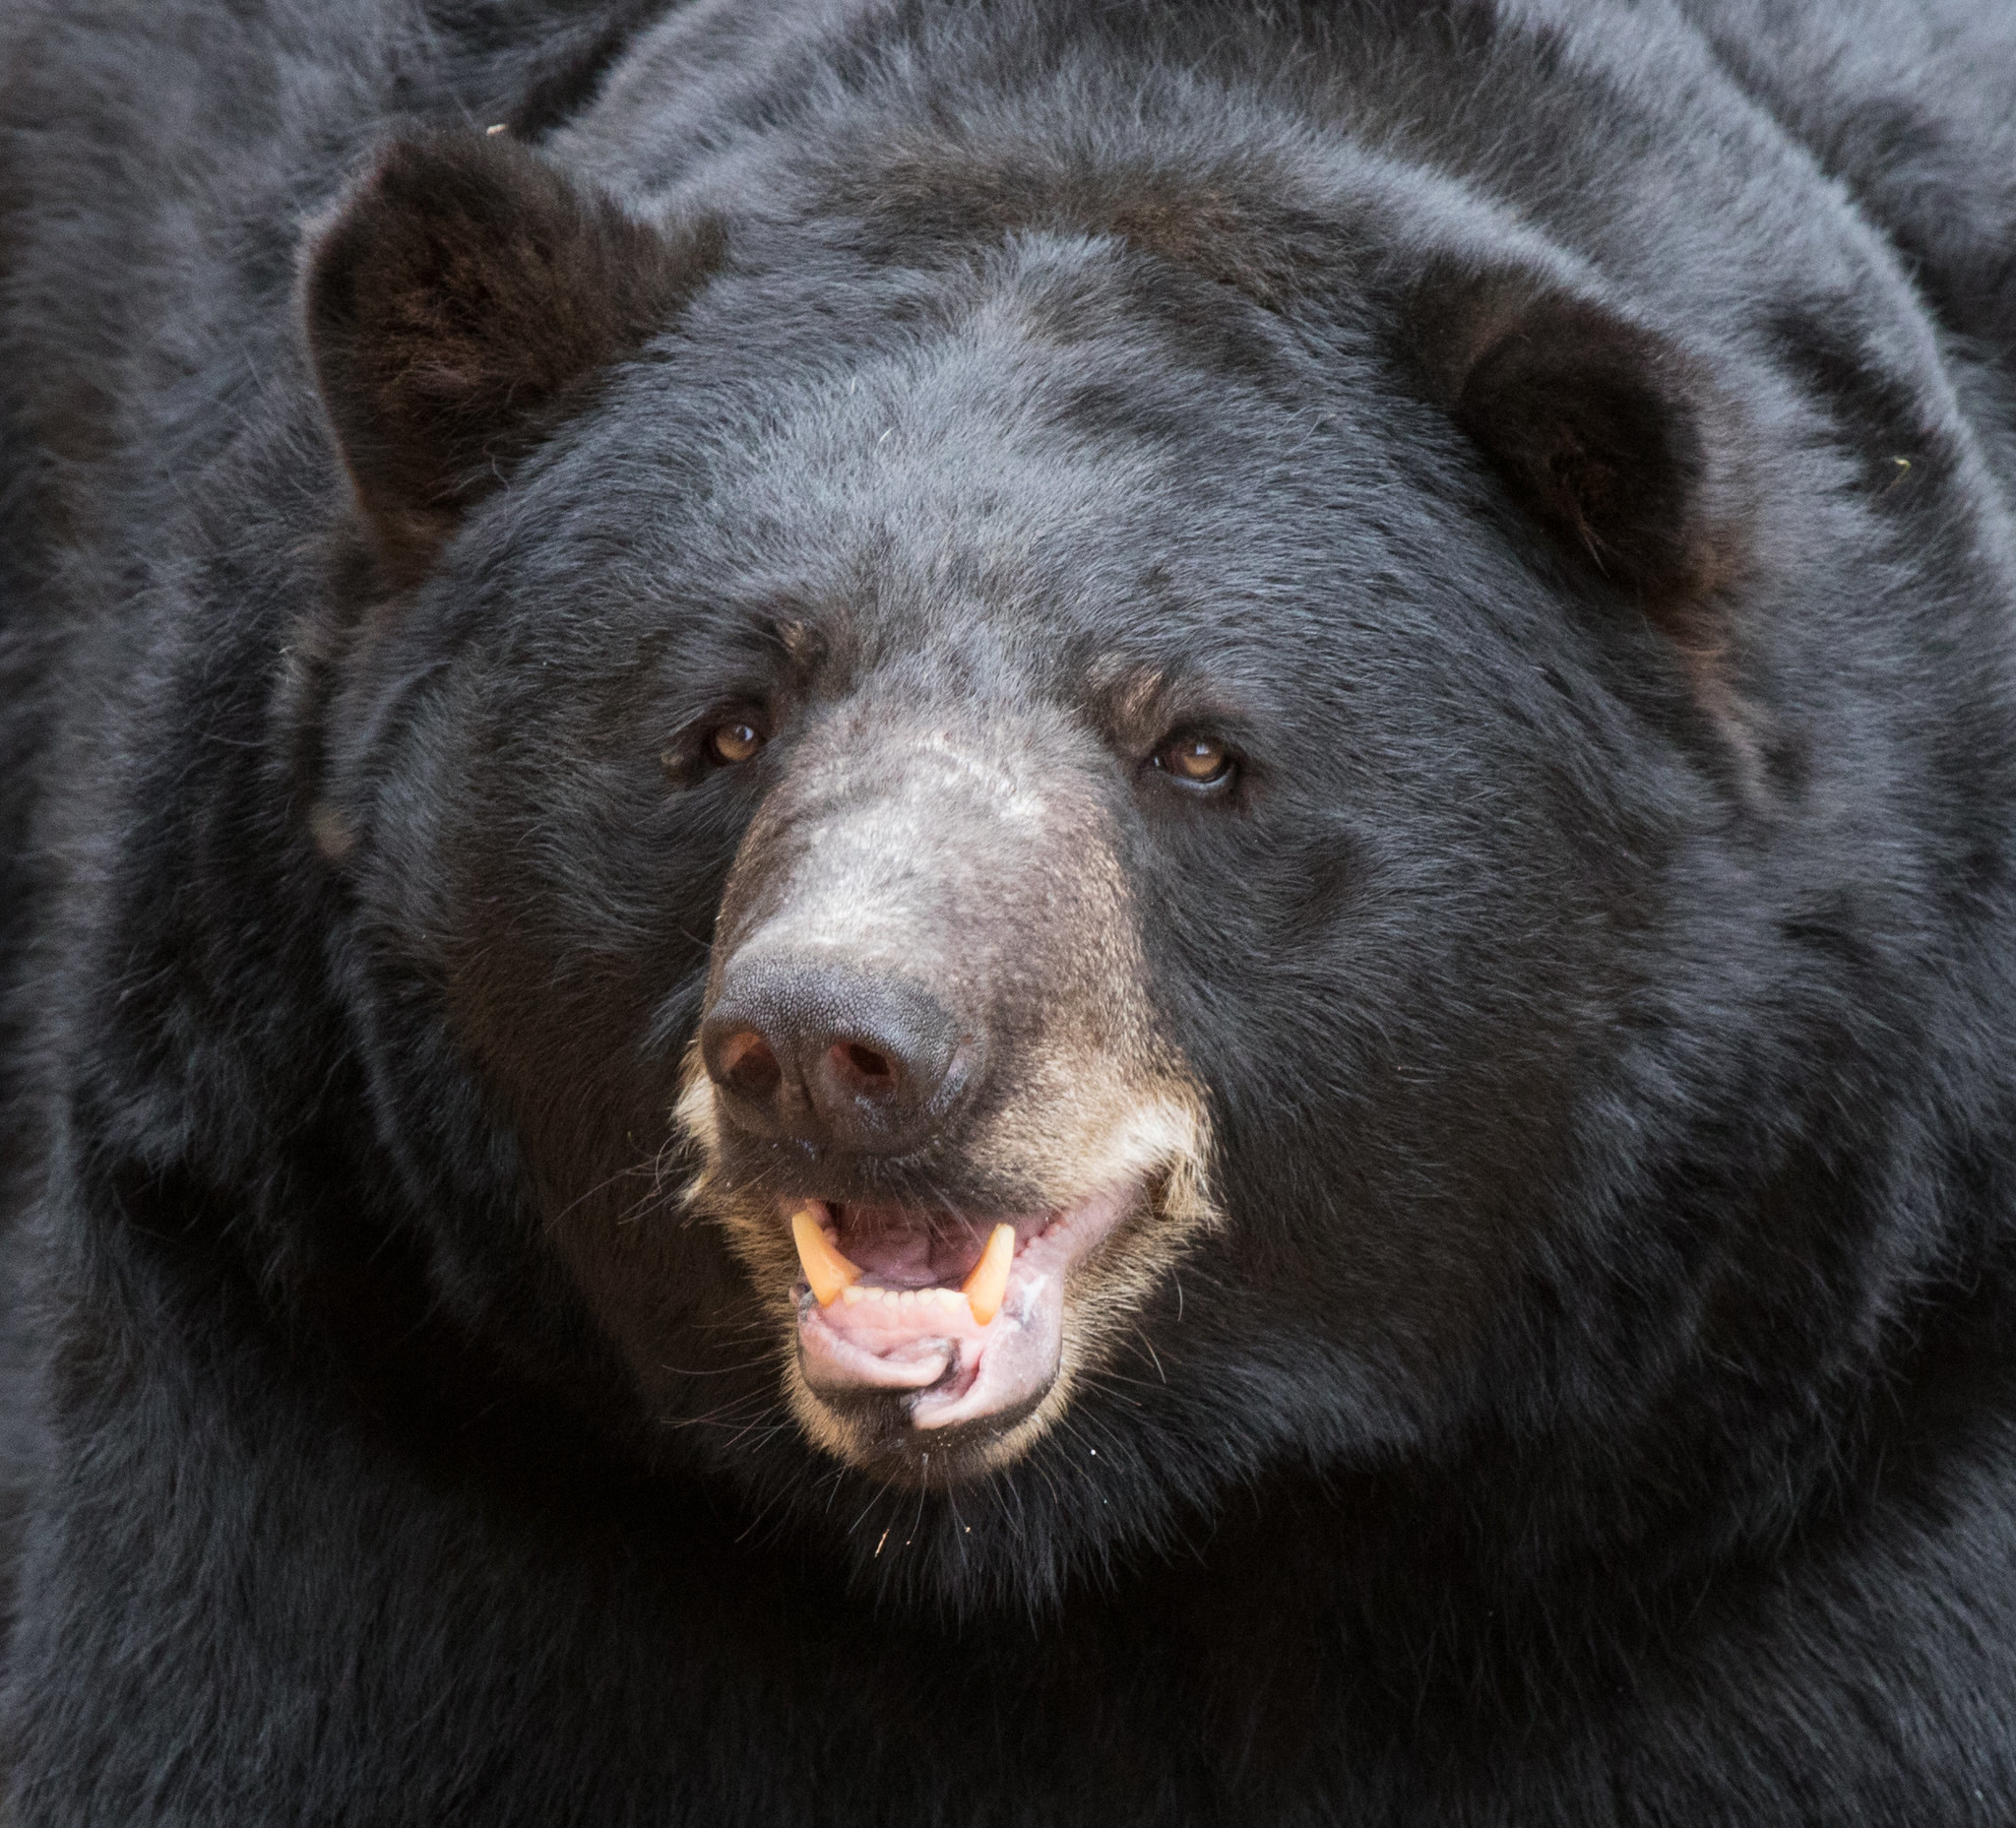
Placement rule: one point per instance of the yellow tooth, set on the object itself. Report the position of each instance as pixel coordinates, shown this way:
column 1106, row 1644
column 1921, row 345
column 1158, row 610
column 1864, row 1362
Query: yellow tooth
column 988, row 1283
column 825, row 1268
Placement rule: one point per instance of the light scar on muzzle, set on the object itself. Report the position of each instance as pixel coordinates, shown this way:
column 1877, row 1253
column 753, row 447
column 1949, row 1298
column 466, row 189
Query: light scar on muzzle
column 970, row 867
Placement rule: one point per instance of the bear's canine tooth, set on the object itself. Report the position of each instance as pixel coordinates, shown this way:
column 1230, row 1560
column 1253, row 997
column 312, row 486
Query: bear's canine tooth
column 988, row 1283
column 825, row 1268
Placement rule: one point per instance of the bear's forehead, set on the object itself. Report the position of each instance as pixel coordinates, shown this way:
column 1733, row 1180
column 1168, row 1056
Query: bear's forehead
column 969, row 495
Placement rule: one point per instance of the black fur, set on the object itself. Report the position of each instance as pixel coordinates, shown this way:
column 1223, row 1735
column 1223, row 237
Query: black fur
column 1566, row 453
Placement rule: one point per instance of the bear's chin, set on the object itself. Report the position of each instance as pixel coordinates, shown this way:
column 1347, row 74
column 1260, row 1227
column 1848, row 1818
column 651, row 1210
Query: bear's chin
column 872, row 1430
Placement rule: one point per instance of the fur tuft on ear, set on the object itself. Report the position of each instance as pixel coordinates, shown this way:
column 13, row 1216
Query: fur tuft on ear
column 462, row 292
column 1607, row 431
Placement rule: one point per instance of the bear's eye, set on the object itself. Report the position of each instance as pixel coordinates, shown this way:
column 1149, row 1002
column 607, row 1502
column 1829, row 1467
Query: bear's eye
column 1196, row 762
column 734, row 741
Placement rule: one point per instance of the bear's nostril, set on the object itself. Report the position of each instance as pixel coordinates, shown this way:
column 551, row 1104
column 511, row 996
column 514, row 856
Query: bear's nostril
column 866, row 1061
column 748, row 1066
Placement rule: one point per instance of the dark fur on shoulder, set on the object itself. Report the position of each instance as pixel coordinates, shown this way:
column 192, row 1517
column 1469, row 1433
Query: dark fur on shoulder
column 1355, row 665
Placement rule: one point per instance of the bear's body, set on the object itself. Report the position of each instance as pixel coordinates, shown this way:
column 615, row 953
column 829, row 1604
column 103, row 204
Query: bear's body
column 1362, row 660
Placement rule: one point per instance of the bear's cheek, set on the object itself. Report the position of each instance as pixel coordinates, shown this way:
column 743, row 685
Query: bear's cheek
column 561, row 943
column 1432, row 1034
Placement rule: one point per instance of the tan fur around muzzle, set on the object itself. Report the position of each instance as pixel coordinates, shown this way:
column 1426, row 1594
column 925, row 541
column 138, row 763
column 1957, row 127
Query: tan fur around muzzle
column 1007, row 887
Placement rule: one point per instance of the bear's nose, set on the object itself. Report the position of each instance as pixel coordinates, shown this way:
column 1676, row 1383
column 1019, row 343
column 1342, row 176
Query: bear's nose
column 838, row 1059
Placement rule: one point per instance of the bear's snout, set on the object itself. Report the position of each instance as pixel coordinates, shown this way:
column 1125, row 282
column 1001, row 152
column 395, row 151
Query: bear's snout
column 938, row 1115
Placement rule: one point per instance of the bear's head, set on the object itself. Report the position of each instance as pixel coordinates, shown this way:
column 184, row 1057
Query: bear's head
column 1022, row 835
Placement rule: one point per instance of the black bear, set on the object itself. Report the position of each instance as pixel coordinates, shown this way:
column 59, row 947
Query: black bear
column 931, row 913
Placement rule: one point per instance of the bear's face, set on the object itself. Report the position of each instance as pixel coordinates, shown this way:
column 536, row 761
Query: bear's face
column 945, row 782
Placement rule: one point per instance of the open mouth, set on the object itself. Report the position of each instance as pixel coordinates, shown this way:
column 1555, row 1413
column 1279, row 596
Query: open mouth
column 965, row 1316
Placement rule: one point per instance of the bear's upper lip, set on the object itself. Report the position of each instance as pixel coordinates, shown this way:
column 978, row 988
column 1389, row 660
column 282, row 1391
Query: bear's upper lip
column 905, row 1326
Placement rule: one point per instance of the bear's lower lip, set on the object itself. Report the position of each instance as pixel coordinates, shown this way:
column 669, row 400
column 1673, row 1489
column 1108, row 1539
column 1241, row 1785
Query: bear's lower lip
column 904, row 1327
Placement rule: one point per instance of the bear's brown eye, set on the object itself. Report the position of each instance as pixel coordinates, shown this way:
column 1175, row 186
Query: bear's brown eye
column 1195, row 760
column 736, row 742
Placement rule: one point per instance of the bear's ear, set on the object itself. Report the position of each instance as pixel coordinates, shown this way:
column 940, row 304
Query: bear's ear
column 460, row 294
column 1607, row 431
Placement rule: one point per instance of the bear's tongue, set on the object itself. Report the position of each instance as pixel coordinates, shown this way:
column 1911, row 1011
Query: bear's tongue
column 895, row 1248
column 968, row 1316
